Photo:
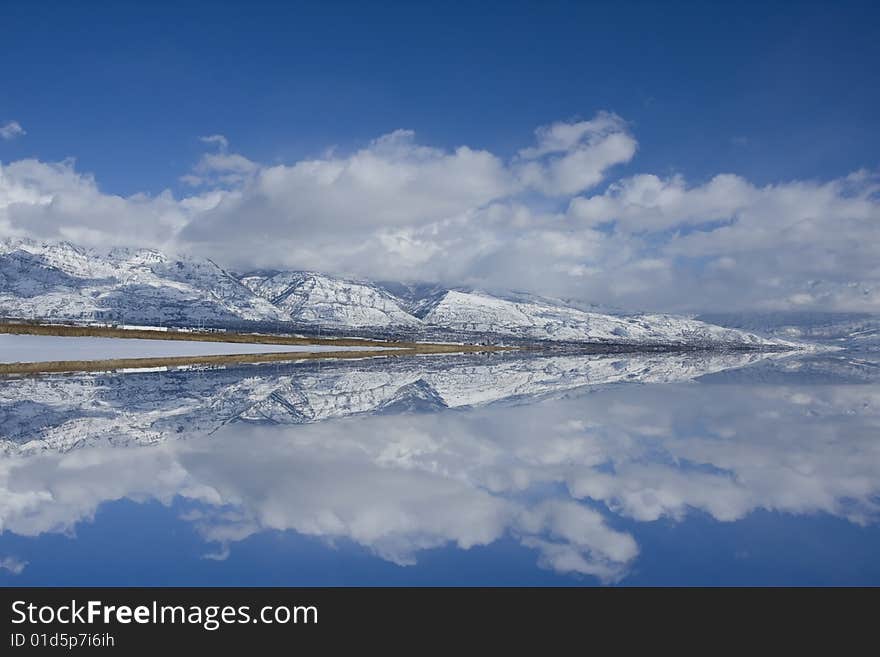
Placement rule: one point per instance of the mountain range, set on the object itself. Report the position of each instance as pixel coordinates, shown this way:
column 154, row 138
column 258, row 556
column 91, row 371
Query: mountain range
column 65, row 412
column 62, row 282
column 850, row 330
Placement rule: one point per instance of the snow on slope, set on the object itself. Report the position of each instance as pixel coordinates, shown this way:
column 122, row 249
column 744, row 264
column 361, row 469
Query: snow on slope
column 311, row 298
column 481, row 313
column 61, row 281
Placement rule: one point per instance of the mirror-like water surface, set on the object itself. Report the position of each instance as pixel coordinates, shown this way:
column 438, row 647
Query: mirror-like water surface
column 499, row 469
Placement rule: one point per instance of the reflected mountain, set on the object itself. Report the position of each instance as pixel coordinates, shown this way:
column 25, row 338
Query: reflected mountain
column 64, row 412
column 539, row 452
column 824, row 368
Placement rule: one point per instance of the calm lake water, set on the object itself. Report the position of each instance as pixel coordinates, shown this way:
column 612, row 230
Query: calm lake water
column 478, row 469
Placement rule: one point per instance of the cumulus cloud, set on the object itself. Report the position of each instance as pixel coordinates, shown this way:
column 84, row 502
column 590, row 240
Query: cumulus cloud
column 648, row 203
column 797, row 244
column 11, row 130
column 572, row 538
column 392, row 183
column 220, row 169
column 220, row 140
column 572, row 157
column 321, row 483
column 399, row 485
column 550, row 220
column 13, row 565
column 54, row 201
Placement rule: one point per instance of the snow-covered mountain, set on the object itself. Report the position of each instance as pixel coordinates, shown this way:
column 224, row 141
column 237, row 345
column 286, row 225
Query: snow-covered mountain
column 312, row 298
column 531, row 320
column 60, row 281
column 46, row 281
column 316, row 299
column 854, row 331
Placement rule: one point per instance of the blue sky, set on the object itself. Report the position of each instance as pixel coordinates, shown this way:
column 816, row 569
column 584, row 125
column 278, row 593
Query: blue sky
column 772, row 91
column 775, row 93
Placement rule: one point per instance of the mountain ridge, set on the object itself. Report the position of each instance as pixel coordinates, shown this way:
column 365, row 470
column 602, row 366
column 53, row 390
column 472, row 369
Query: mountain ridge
column 60, row 281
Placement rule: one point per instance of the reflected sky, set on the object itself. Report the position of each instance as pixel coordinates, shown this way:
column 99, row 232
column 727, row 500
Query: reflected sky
column 564, row 470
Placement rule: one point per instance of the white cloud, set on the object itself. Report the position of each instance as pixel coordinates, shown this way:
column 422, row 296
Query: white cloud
column 221, row 169
column 11, row 130
column 396, row 208
column 562, row 137
column 343, row 202
column 572, row 157
column 221, row 141
column 54, row 201
column 798, row 244
column 580, row 540
column 13, row 565
column 648, row 203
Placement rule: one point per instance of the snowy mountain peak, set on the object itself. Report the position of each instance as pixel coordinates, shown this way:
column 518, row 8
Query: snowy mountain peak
column 313, row 298
column 61, row 281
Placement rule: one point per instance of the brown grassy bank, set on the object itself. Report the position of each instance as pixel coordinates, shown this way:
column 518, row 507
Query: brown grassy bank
column 226, row 359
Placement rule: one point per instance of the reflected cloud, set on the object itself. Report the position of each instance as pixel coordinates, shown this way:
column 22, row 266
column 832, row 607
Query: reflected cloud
column 12, row 565
column 542, row 450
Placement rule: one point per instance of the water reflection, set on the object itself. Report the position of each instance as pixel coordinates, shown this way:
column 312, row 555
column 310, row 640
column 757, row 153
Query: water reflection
column 462, row 452
column 69, row 411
